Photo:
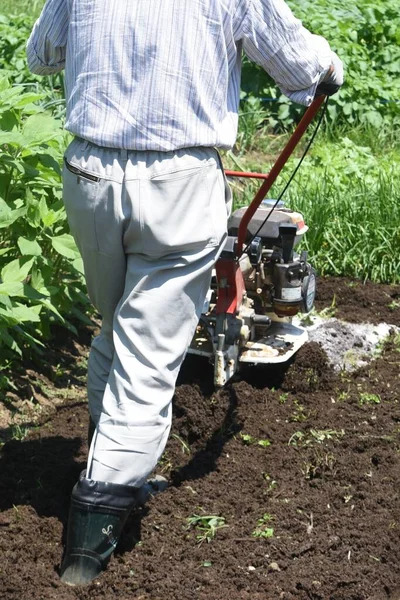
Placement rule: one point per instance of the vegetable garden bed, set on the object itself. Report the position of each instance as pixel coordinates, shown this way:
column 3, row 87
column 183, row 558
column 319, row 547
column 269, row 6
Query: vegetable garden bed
column 283, row 485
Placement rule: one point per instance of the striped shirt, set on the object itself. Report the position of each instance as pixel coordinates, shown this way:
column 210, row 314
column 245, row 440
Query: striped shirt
column 165, row 74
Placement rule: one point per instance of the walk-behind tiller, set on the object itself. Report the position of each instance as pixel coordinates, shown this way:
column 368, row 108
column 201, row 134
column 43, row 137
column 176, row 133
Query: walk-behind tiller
column 260, row 282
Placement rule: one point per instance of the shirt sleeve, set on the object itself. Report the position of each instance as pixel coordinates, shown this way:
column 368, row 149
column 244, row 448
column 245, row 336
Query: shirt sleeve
column 46, row 47
column 295, row 58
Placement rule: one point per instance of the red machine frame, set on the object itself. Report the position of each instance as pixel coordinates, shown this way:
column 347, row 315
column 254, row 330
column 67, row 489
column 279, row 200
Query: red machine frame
column 231, row 287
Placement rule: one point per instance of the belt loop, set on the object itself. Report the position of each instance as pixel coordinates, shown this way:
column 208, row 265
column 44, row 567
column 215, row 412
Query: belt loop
column 124, row 155
column 219, row 159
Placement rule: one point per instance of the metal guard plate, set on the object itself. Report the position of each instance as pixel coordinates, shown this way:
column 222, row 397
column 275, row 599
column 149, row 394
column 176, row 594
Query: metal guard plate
column 281, row 343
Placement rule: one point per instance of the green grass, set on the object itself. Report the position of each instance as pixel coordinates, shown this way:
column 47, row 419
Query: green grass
column 348, row 189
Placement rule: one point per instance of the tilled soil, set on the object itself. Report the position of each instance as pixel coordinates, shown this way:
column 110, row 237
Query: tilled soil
column 301, row 466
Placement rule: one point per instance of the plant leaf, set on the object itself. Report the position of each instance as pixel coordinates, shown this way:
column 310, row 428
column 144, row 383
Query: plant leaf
column 29, row 247
column 17, row 270
column 65, row 245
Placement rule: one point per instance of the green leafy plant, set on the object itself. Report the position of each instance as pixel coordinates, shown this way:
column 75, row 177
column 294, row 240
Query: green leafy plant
column 343, row 395
column 394, row 305
column 206, row 563
column 249, row 440
column 299, row 414
column 206, row 525
column 15, row 29
column 366, row 398
column 264, row 529
column 366, row 36
column 40, row 267
column 319, row 436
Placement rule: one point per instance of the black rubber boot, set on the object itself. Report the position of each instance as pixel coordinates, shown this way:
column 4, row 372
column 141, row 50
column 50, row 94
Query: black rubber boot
column 98, row 513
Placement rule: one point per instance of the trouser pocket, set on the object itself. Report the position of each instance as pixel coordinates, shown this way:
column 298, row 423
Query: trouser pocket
column 183, row 211
column 80, row 195
column 92, row 188
column 80, row 173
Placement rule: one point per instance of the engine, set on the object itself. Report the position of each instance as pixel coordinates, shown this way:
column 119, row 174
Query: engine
column 277, row 279
column 248, row 310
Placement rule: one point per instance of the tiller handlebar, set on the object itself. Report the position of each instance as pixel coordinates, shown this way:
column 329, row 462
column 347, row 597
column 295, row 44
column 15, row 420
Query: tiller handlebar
column 271, row 177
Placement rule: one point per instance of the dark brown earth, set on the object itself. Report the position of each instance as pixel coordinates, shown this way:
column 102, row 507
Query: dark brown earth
column 325, row 490
column 360, row 302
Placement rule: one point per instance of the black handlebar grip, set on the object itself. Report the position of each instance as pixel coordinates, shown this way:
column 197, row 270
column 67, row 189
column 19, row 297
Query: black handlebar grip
column 327, row 89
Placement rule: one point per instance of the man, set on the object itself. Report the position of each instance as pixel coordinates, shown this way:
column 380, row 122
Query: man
column 152, row 89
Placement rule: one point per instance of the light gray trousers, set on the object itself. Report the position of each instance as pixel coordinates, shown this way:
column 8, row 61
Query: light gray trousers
column 149, row 226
